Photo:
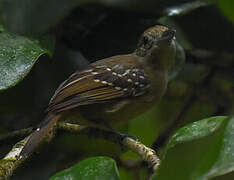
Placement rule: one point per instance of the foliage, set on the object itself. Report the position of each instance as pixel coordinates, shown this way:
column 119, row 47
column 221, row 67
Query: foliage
column 227, row 8
column 212, row 153
column 18, row 54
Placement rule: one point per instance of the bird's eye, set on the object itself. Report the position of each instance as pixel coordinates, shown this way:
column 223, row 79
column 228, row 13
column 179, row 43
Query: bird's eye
column 145, row 40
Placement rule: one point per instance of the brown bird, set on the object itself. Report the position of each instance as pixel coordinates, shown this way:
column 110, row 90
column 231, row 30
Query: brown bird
column 119, row 87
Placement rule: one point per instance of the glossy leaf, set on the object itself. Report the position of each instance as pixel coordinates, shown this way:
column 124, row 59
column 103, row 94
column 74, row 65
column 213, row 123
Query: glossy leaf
column 196, row 130
column 96, row 168
column 199, row 151
column 18, row 54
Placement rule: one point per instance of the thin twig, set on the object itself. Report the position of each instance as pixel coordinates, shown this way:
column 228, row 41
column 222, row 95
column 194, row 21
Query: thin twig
column 163, row 137
column 12, row 160
column 147, row 154
column 212, row 58
column 15, row 134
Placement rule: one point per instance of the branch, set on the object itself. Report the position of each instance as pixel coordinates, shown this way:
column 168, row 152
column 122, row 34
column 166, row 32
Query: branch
column 12, row 160
column 15, row 134
column 202, row 56
column 146, row 154
column 164, row 136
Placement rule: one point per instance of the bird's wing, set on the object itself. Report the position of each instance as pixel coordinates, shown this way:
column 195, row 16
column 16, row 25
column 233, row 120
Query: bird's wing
column 98, row 84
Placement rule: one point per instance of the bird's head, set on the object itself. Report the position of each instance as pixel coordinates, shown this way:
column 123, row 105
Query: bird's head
column 157, row 46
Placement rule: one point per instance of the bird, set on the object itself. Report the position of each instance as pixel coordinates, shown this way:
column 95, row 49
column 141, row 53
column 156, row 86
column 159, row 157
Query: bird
column 113, row 89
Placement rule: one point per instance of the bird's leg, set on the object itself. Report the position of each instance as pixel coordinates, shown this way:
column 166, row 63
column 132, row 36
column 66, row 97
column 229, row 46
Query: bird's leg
column 120, row 138
column 109, row 130
column 118, row 135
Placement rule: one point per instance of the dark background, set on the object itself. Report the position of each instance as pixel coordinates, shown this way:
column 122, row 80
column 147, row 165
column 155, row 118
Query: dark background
column 86, row 32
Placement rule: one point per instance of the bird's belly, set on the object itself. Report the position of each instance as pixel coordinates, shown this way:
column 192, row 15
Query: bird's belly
column 114, row 113
column 127, row 112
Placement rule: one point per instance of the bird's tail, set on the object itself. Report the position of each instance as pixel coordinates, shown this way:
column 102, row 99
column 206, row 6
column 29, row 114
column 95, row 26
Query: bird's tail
column 39, row 134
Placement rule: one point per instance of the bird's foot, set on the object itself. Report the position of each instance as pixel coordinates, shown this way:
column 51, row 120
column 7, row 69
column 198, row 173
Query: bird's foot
column 121, row 137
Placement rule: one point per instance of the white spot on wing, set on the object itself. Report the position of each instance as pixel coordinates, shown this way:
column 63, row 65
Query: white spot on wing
column 126, row 72
column 104, row 82
column 94, row 73
column 100, row 66
column 140, row 93
column 89, row 70
column 96, row 80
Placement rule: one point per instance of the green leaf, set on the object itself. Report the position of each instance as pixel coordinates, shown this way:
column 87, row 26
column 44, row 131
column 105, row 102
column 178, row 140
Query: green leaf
column 18, row 54
column 196, row 130
column 95, row 168
column 199, row 151
column 226, row 7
